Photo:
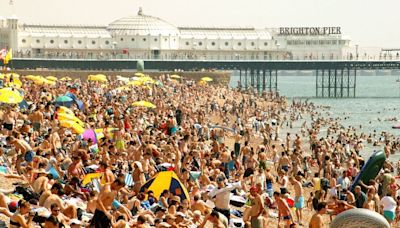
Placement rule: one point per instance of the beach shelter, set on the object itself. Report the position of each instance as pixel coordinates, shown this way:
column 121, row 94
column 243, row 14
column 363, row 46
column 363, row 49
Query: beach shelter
column 166, row 180
column 10, row 96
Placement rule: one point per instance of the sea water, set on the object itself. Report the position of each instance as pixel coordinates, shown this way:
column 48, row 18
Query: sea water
column 377, row 100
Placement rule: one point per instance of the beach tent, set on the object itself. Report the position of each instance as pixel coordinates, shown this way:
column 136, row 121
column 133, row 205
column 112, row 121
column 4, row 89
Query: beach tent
column 166, row 180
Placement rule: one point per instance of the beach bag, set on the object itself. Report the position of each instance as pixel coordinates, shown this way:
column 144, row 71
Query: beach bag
column 27, row 193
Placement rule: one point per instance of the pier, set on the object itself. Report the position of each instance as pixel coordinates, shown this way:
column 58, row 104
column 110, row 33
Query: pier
column 334, row 78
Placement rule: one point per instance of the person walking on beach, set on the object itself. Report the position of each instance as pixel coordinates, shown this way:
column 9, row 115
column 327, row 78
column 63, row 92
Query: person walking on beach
column 298, row 199
column 283, row 210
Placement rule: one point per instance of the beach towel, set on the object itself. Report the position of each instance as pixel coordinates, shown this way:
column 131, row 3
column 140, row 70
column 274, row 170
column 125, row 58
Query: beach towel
column 54, row 172
column 3, row 169
column 129, row 180
column 96, row 185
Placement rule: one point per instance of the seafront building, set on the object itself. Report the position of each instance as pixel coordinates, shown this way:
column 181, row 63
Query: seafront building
column 147, row 37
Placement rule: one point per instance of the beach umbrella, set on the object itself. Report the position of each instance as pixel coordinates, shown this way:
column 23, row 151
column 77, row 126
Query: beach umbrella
column 166, row 180
column 98, row 79
column 10, row 96
column 202, row 83
column 89, row 178
column 14, row 75
column 51, row 78
column 66, row 79
column 31, row 77
column 16, row 83
column 139, row 74
column 23, row 105
column 64, row 101
column 207, row 79
column 123, row 88
column 66, row 110
column 79, row 103
column 175, row 76
column 90, row 134
column 101, row 75
column 143, row 104
column 78, row 129
column 64, row 116
column 122, row 79
column 135, row 83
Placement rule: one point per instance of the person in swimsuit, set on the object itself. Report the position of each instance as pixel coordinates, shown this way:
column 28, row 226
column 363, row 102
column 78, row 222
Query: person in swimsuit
column 284, row 210
column 102, row 216
column 18, row 218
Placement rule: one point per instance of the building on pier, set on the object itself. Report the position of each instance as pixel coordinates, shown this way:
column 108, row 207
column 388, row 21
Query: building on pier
column 147, row 37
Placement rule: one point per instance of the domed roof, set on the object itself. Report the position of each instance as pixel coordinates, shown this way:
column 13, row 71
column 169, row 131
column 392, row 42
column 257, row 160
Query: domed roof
column 142, row 25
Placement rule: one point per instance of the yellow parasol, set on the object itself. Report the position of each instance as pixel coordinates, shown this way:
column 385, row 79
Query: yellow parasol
column 10, row 96
column 15, row 84
column 207, row 79
column 139, row 74
column 66, row 110
column 67, row 117
column 32, row 77
column 66, row 79
column 135, row 83
column 13, row 74
column 123, row 88
column 144, row 104
column 175, row 76
column 202, row 83
column 98, row 78
column 43, row 81
column 89, row 177
column 51, row 78
column 78, row 129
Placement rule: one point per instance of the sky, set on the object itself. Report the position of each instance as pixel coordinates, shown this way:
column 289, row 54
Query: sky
column 368, row 23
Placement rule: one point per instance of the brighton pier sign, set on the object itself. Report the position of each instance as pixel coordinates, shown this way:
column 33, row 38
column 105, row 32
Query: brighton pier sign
column 309, row 31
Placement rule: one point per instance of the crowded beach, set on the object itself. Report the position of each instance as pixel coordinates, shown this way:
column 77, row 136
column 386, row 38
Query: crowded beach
column 169, row 151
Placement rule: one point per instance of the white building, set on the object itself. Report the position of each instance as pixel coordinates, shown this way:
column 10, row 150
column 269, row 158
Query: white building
column 145, row 37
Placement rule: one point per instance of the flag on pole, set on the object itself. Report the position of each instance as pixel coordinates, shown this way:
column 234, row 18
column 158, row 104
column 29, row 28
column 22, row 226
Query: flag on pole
column 8, row 57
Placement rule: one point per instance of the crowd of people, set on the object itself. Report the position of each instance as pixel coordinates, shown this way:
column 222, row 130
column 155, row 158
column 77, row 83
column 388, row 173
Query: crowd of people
column 255, row 168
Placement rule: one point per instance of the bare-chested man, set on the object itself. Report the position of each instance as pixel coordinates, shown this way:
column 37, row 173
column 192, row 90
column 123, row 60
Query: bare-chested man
column 283, row 210
column 257, row 208
column 24, row 148
column 299, row 198
column 102, row 216
column 316, row 219
column 54, row 197
column 200, row 205
column 10, row 118
column 37, row 118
